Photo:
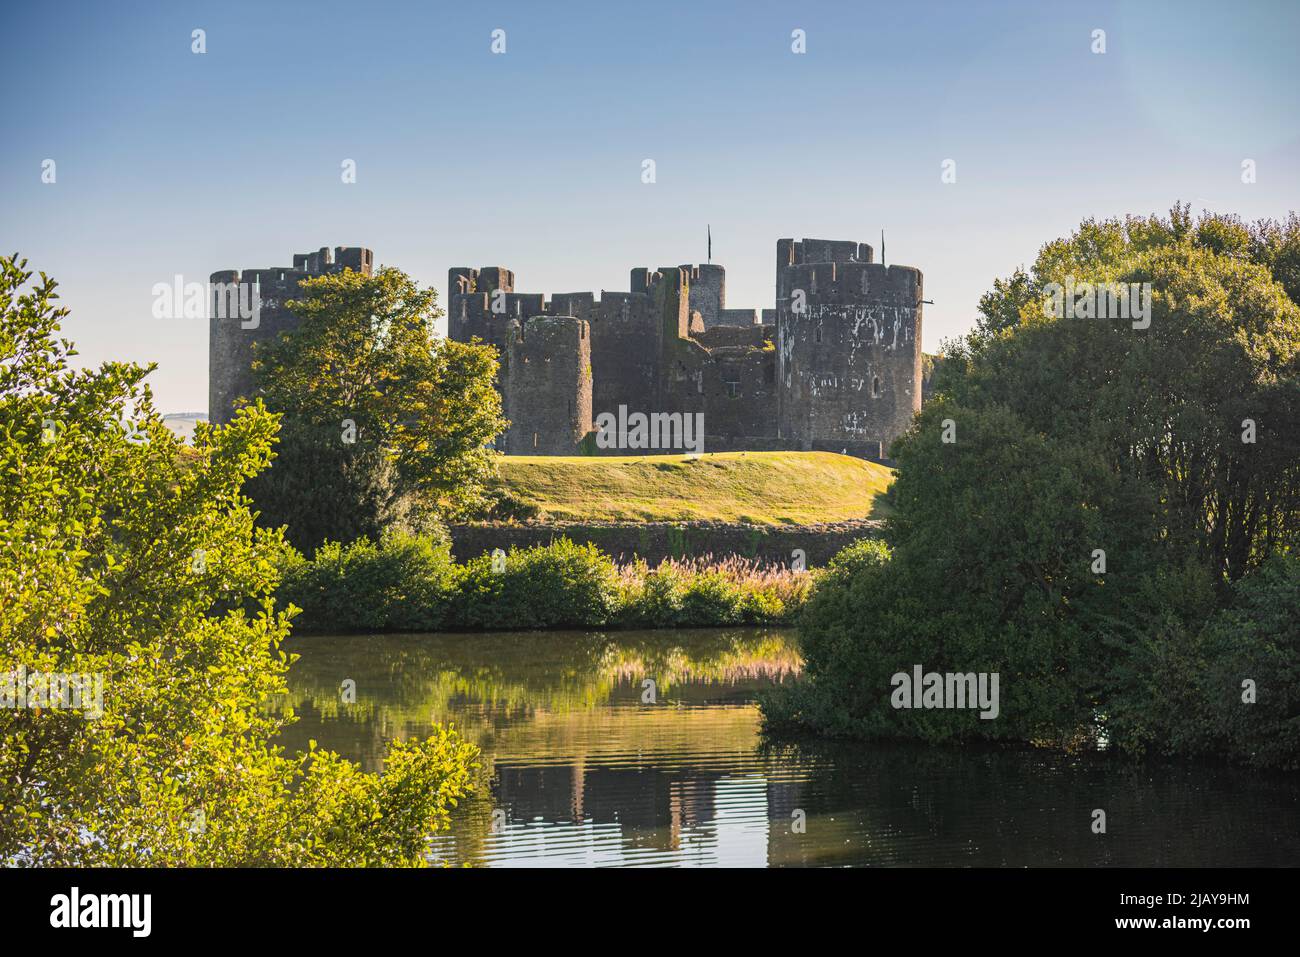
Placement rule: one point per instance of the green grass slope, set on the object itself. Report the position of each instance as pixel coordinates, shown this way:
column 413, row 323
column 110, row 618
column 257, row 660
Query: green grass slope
column 766, row 488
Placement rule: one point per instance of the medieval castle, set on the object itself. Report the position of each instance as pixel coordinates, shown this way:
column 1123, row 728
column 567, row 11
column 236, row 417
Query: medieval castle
column 835, row 366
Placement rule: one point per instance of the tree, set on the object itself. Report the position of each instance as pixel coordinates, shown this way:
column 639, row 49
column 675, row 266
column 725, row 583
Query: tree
column 130, row 559
column 383, row 425
column 1080, row 497
column 1202, row 403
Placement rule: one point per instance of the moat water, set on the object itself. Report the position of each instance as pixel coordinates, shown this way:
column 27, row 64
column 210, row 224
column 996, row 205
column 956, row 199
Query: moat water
column 578, row 770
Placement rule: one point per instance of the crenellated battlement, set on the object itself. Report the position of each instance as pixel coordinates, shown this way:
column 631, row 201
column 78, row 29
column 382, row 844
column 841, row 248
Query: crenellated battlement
column 852, row 282
column 790, row 252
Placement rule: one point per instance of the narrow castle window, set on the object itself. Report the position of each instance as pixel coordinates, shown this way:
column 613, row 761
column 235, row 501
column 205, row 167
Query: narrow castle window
column 733, row 389
column 534, row 440
column 817, row 334
column 875, row 387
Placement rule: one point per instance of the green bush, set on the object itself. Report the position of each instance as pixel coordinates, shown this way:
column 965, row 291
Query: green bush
column 703, row 592
column 1256, row 638
column 561, row 585
column 710, row 598
column 401, row 583
column 861, row 555
column 653, row 597
column 1180, row 688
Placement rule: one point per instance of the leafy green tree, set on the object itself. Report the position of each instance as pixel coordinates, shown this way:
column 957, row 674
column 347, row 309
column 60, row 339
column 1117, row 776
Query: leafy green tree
column 384, row 425
column 1172, row 403
column 1079, row 499
column 133, row 559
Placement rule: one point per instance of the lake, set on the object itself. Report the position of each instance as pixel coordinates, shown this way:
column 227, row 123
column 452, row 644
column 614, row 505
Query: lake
column 579, row 769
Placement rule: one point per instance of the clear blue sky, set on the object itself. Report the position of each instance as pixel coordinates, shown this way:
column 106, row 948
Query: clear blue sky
column 170, row 162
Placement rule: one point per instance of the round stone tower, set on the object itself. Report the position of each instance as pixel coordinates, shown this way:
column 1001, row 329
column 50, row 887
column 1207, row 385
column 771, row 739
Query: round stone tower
column 848, row 347
column 546, row 376
column 231, row 336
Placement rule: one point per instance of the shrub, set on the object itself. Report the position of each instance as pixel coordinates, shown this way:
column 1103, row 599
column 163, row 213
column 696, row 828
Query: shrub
column 703, row 592
column 1255, row 638
column 410, row 583
column 1175, row 684
column 401, row 583
column 710, row 598
column 652, row 597
column 560, row 585
column 859, row 556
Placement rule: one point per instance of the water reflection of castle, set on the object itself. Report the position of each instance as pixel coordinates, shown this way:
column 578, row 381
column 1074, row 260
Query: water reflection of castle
column 653, row 806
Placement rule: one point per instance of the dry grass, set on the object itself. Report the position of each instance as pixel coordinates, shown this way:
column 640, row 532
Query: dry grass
column 734, row 589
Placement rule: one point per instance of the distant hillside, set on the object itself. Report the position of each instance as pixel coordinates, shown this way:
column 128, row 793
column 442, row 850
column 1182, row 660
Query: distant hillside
column 759, row 487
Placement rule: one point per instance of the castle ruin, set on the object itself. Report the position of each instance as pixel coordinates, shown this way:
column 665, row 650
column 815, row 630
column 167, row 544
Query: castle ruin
column 835, row 366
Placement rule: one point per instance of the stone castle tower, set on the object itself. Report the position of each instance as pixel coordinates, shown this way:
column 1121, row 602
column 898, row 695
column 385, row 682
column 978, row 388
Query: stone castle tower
column 849, row 346
column 230, row 340
column 547, row 385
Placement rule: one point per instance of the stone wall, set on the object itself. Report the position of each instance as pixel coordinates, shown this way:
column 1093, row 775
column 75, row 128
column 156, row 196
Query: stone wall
column 655, row 541
column 740, row 391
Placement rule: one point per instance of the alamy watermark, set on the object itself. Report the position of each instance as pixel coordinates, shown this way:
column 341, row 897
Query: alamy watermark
column 54, row 691
column 75, row 909
column 656, row 430
column 208, row 300
column 1101, row 300
column 947, row 690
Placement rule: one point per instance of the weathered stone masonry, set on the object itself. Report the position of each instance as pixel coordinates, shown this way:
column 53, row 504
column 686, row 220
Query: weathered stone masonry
column 836, row 366
column 849, row 343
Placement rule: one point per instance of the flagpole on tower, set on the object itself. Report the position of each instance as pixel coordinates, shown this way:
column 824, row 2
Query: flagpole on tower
column 710, row 231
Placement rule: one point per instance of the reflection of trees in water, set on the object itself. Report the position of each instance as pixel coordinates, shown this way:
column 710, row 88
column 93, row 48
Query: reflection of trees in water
column 536, row 697
column 893, row 804
column 484, row 683
column 401, row 677
column 566, row 742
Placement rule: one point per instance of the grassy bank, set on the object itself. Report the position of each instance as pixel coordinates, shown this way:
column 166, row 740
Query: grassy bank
column 760, row 487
